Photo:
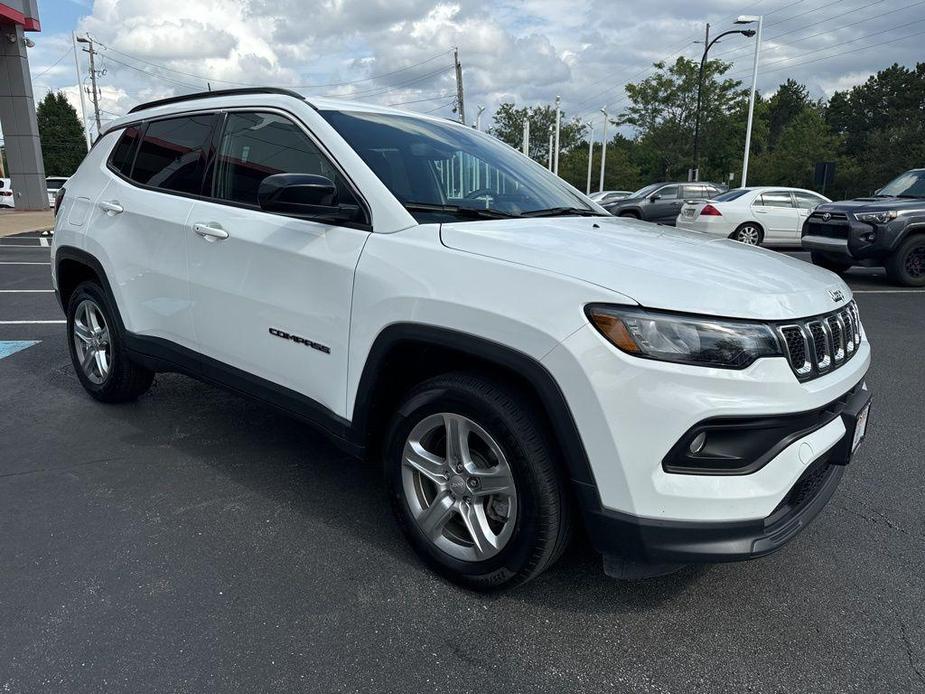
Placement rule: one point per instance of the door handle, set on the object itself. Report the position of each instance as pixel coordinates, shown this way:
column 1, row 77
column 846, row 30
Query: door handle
column 761, row 211
column 210, row 232
column 112, row 207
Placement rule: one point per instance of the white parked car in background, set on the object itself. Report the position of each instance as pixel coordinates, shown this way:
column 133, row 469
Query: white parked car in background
column 6, row 193
column 53, row 184
column 760, row 216
column 605, row 196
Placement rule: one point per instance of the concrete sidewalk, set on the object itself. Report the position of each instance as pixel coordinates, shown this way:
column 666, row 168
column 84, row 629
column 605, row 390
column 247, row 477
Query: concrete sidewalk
column 12, row 222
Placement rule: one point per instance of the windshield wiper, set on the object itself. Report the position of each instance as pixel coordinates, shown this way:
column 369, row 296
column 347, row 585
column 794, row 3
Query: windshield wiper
column 914, row 197
column 471, row 212
column 562, row 211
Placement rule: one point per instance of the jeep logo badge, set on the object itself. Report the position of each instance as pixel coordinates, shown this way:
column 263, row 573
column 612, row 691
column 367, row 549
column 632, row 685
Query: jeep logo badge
column 826, row 216
column 837, row 295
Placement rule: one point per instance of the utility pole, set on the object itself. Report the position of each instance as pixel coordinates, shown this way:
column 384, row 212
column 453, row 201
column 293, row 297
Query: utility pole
column 590, row 155
column 706, row 47
column 80, row 90
column 603, row 147
column 94, row 94
column 526, row 145
column 555, row 169
column 460, row 99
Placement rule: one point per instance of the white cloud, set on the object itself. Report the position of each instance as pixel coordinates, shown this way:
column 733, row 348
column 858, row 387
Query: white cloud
column 526, row 50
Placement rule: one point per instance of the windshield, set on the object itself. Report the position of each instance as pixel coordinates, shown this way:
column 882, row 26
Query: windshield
column 731, row 195
column 442, row 171
column 910, row 185
column 643, row 192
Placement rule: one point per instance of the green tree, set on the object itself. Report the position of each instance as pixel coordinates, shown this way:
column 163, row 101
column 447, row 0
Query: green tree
column 663, row 109
column 508, row 126
column 788, row 102
column 62, row 137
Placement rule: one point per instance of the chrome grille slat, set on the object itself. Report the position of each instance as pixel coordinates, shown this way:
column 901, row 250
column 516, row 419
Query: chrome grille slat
column 817, row 345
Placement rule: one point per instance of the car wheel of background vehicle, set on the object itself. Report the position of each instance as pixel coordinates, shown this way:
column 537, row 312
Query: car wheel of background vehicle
column 749, row 233
column 631, row 215
column 474, row 482
column 97, row 350
column 828, row 263
column 906, row 265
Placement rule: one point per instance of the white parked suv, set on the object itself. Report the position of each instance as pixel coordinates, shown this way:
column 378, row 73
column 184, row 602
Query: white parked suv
column 518, row 361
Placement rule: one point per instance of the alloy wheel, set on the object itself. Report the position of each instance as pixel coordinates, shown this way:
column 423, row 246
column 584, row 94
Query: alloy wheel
column 91, row 341
column 748, row 235
column 915, row 262
column 459, row 487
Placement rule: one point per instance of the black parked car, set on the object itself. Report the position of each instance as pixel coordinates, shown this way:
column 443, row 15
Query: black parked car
column 887, row 229
column 661, row 202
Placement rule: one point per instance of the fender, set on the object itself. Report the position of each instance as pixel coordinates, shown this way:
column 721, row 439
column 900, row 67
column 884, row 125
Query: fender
column 547, row 389
column 913, row 227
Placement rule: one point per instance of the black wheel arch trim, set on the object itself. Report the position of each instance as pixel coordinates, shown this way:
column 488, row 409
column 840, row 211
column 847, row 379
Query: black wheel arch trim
column 547, row 389
column 911, row 229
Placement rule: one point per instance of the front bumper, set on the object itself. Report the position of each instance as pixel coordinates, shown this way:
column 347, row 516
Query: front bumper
column 844, row 237
column 673, row 542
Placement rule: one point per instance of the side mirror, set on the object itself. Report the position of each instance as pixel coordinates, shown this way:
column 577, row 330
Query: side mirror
column 877, row 192
column 654, row 197
column 302, row 195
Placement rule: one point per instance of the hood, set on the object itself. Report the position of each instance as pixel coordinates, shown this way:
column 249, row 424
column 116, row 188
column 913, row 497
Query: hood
column 658, row 266
column 873, row 205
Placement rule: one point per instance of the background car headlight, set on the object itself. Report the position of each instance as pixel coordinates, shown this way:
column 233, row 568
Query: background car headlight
column 876, row 217
column 700, row 340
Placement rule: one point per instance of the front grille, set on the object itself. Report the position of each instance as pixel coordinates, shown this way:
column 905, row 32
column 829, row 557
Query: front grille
column 817, row 345
column 836, row 227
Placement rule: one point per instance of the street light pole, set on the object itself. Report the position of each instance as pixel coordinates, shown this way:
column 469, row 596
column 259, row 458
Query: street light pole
column 478, row 118
column 555, row 164
column 603, row 148
column 590, row 155
column 707, row 45
column 549, row 152
column 751, row 98
column 526, row 145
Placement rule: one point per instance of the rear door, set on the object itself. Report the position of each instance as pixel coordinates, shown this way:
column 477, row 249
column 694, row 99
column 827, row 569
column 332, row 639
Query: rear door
column 666, row 207
column 271, row 293
column 140, row 226
column 776, row 213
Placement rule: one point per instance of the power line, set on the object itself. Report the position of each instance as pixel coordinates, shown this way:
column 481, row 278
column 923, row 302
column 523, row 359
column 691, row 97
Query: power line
column 54, row 64
column 207, row 78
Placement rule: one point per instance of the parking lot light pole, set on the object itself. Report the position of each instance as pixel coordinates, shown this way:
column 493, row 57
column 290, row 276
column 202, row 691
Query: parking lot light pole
column 555, row 160
column 590, row 155
column 549, row 153
column 478, row 118
column 603, row 148
column 751, row 19
column 708, row 44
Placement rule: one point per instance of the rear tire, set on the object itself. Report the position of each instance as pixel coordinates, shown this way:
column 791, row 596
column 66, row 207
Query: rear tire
column 98, row 350
column 750, row 233
column 480, row 539
column 829, row 264
column 906, row 266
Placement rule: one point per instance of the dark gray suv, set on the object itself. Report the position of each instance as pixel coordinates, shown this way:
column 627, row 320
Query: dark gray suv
column 661, row 202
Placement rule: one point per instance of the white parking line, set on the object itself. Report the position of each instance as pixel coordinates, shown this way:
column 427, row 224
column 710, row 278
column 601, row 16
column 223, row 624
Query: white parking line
column 21, row 245
column 32, row 322
column 4, row 262
column 43, row 242
column 888, row 291
column 27, row 291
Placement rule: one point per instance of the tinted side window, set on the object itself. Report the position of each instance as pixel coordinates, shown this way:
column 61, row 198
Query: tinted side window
column 668, row 192
column 257, row 145
column 807, row 201
column 776, row 198
column 172, row 154
column 694, row 192
column 124, row 151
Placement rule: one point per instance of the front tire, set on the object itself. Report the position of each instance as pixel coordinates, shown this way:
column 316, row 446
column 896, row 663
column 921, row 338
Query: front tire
column 750, row 234
column 474, row 482
column 906, row 266
column 824, row 261
column 630, row 215
column 98, row 351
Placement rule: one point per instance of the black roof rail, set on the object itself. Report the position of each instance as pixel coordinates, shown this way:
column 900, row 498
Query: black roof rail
column 216, row 92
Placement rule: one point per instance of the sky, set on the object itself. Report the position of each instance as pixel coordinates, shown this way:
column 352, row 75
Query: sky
column 399, row 52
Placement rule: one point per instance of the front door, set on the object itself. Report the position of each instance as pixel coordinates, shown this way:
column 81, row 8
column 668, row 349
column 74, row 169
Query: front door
column 666, row 206
column 271, row 293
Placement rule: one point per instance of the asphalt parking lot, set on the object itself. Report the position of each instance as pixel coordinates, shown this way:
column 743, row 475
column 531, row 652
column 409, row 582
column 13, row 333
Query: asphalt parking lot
column 194, row 541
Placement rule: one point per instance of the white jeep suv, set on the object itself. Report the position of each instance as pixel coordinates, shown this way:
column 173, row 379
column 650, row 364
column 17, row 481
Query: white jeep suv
column 520, row 362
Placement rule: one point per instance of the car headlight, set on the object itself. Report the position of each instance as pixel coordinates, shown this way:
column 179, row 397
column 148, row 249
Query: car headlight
column 699, row 340
column 876, row 217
